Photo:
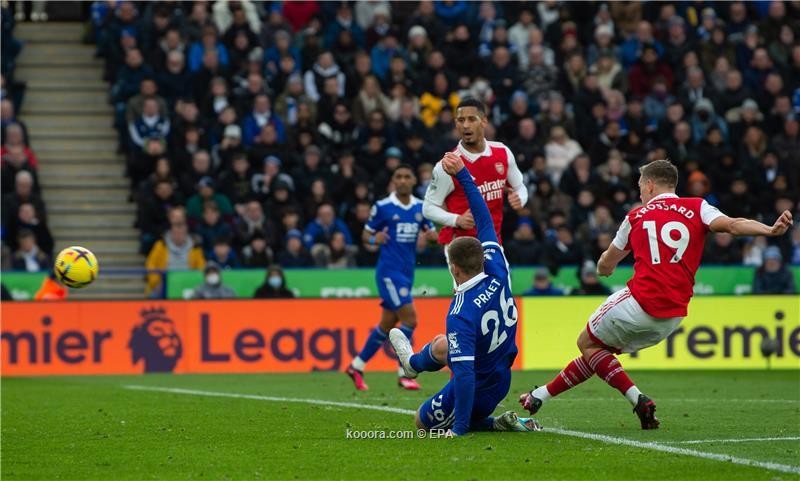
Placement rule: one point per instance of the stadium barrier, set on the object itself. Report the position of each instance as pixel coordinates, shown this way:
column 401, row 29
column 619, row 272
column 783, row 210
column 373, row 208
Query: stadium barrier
column 360, row 283
column 723, row 332
column 84, row 337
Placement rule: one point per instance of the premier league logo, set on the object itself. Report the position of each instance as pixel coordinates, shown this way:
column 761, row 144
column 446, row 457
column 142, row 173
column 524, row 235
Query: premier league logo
column 156, row 341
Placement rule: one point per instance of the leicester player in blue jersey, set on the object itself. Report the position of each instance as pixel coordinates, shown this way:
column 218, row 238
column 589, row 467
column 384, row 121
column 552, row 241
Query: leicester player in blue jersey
column 395, row 225
column 480, row 345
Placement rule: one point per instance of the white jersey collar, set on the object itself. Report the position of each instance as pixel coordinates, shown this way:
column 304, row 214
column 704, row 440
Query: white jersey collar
column 665, row 195
column 394, row 200
column 471, row 282
column 472, row 157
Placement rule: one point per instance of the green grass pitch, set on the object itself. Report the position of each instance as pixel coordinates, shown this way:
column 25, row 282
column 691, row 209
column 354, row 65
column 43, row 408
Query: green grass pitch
column 96, row 428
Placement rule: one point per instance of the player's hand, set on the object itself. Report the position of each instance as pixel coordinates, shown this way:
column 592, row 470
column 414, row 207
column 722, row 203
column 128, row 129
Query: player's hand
column 452, row 163
column 430, row 234
column 782, row 224
column 382, row 237
column 465, row 221
column 514, row 200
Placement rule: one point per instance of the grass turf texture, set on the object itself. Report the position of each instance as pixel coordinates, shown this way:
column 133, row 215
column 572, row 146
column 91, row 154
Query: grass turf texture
column 95, row 428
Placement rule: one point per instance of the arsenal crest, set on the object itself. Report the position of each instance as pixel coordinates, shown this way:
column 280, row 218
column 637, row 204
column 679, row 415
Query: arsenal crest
column 499, row 167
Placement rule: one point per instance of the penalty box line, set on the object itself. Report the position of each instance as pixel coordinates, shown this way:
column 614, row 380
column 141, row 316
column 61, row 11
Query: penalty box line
column 784, row 468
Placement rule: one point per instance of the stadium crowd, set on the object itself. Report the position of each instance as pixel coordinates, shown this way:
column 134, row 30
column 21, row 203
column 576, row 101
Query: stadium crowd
column 27, row 242
column 260, row 133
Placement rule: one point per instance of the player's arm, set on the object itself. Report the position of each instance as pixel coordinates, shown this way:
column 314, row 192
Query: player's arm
column 375, row 230
column 432, row 206
column 454, row 166
column 518, row 196
column 461, row 360
column 617, row 251
column 740, row 226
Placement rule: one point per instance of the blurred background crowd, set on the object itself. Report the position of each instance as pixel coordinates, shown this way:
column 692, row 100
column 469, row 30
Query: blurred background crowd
column 260, row 133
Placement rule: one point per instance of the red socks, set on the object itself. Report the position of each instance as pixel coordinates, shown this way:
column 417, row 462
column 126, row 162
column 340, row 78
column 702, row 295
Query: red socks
column 603, row 363
column 608, row 368
column 575, row 373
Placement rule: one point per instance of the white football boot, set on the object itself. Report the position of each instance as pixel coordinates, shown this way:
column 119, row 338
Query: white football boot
column 403, row 350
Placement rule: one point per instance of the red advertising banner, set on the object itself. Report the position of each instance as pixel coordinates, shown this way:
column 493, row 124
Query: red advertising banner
column 63, row 338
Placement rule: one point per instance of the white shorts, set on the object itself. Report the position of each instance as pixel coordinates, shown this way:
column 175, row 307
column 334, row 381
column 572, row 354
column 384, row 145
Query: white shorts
column 621, row 324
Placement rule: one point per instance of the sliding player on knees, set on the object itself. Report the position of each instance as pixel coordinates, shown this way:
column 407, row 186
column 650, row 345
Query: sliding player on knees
column 395, row 225
column 480, row 344
column 666, row 236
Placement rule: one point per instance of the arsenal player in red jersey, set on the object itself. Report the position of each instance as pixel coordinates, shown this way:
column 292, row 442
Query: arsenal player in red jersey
column 666, row 235
column 492, row 166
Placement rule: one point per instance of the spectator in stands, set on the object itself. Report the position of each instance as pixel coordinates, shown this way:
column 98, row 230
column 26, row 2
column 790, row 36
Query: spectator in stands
column 274, row 286
column 190, row 177
column 723, row 248
column 153, row 210
column 223, row 254
column 206, row 193
column 589, row 283
column 211, row 228
column 257, row 253
column 27, row 219
column 150, row 124
column 340, row 133
column 559, row 152
column 260, row 116
column 13, row 162
column 208, row 42
column 212, row 286
column 542, row 285
column 174, row 252
column 294, row 253
column 324, row 226
column 337, row 254
column 28, row 256
column 325, row 67
column 23, row 193
column 773, row 277
column 14, row 136
column 174, row 80
column 253, row 220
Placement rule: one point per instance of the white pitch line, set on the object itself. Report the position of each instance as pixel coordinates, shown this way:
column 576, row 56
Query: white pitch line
column 736, row 440
column 784, row 468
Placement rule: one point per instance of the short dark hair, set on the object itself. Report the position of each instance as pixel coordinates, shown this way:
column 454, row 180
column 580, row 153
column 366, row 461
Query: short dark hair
column 404, row 166
column 467, row 254
column 473, row 102
column 662, row 172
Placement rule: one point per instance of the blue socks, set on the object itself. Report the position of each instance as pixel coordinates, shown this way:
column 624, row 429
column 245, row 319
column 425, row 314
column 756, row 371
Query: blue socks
column 424, row 360
column 374, row 342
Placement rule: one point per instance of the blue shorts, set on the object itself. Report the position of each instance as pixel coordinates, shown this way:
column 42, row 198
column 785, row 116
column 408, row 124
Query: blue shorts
column 438, row 412
column 395, row 291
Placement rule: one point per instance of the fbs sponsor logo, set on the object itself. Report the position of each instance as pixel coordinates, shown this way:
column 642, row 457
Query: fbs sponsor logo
column 155, row 341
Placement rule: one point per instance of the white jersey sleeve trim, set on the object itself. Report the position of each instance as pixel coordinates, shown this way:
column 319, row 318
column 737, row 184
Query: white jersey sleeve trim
column 709, row 213
column 621, row 239
column 433, row 205
column 515, row 179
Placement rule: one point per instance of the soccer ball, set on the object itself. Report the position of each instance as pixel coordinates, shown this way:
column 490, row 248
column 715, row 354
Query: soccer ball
column 76, row 267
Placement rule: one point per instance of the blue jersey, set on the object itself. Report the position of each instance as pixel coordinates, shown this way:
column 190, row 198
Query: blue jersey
column 404, row 224
column 482, row 321
column 394, row 275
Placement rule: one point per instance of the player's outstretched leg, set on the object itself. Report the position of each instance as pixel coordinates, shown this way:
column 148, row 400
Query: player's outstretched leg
column 509, row 421
column 577, row 371
column 408, row 321
column 374, row 342
column 609, row 369
column 432, row 357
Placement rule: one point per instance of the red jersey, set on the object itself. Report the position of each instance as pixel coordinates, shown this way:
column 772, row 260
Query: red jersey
column 491, row 169
column 666, row 237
